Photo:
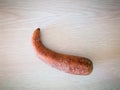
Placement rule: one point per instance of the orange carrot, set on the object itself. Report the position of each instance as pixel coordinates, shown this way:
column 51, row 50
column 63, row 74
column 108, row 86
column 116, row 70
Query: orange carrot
column 67, row 63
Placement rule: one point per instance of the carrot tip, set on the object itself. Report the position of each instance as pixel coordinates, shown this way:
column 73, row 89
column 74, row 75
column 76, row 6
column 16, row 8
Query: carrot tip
column 38, row 29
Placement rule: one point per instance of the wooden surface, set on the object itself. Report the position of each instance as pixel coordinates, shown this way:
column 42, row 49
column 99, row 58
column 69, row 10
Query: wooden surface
column 89, row 28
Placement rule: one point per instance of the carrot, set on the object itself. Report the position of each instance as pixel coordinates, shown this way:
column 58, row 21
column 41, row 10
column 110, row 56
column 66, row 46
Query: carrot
column 67, row 63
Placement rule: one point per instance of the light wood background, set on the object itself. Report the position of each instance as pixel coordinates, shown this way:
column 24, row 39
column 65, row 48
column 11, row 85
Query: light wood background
column 89, row 28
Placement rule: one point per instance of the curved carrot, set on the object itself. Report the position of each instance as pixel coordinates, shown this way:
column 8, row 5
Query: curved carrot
column 67, row 63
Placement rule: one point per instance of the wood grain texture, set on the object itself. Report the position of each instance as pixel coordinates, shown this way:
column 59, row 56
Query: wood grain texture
column 78, row 27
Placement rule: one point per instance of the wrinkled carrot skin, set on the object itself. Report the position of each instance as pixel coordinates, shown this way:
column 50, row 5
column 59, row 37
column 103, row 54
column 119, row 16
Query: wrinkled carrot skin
column 67, row 63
